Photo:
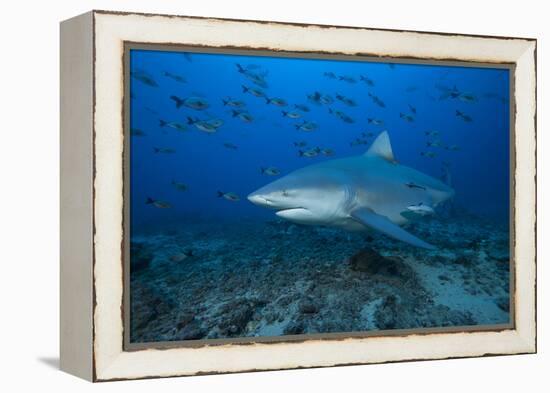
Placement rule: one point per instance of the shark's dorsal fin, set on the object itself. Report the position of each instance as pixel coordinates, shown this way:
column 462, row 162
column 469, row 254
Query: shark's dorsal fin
column 381, row 147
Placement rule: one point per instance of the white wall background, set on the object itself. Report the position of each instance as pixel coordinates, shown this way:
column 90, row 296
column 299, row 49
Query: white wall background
column 29, row 195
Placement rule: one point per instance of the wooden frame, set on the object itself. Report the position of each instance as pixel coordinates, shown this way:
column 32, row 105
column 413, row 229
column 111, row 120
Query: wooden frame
column 92, row 195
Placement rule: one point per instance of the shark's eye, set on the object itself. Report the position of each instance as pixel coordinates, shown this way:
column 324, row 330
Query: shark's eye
column 285, row 193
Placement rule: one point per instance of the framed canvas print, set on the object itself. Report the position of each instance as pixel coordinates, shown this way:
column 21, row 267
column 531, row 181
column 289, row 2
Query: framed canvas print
column 246, row 195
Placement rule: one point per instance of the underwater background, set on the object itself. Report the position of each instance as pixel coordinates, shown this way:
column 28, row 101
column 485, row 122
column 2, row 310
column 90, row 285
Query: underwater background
column 208, row 129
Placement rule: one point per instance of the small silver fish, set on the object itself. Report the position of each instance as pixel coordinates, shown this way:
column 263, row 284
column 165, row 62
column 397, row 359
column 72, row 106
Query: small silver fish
column 144, row 77
column 243, row 115
column 172, row 124
column 309, row 153
column 158, row 204
column 177, row 78
column 202, row 125
column 326, row 99
column 467, row 97
column 464, row 116
column 377, row 100
column 137, row 132
column 346, row 100
column 230, row 196
column 406, row 117
column 447, row 92
column 367, row 80
column 164, row 150
column 318, row 98
column 234, row 103
column 276, row 101
column 347, row 78
column 292, row 115
column 306, row 126
column 179, row 186
column 358, row 142
column 256, row 78
column 216, row 123
column 270, row 171
column 196, row 103
column 376, row 122
column 255, row 92
column 341, row 115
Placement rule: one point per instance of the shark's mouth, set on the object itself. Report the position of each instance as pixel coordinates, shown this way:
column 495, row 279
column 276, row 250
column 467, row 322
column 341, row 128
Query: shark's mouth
column 295, row 213
column 271, row 204
column 290, row 209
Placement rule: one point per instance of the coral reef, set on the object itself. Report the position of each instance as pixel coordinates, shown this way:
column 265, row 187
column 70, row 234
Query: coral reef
column 276, row 278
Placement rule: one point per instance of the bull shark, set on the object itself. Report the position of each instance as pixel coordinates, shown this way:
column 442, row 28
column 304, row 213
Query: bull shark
column 368, row 192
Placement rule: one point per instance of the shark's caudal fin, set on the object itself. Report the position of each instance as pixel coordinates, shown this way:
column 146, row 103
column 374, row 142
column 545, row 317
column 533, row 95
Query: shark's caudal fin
column 375, row 221
column 381, row 147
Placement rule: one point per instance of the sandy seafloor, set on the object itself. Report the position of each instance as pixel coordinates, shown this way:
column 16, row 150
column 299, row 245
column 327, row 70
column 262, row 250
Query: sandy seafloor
column 251, row 278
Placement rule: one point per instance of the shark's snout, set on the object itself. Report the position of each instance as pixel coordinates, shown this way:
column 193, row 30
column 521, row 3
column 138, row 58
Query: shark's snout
column 258, row 199
column 262, row 200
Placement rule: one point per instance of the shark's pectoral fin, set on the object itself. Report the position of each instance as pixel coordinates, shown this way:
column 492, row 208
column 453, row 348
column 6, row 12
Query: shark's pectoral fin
column 372, row 220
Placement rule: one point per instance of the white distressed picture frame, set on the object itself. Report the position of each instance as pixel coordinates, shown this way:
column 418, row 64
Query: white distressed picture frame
column 92, row 195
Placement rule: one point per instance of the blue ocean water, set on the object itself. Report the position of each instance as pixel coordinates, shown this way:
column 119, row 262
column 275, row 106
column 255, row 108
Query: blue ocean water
column 479, row 169
column 463, row 111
